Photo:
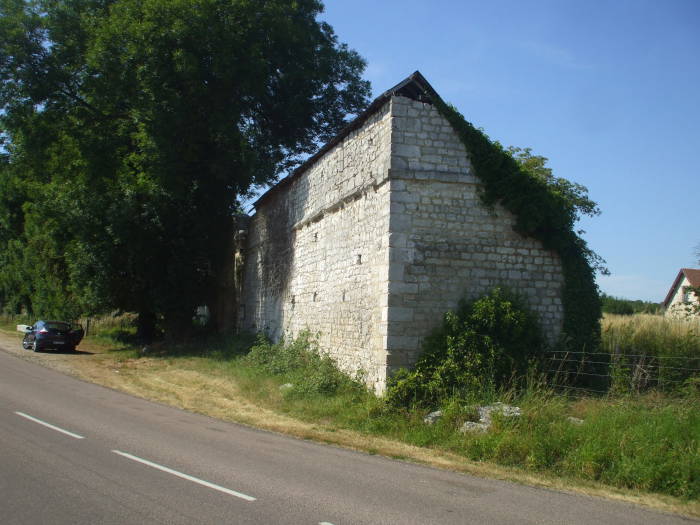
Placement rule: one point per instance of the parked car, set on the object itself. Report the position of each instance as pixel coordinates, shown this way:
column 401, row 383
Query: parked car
column 52, row 334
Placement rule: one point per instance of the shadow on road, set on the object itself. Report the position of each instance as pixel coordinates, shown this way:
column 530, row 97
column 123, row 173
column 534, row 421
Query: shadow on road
column 66, row 352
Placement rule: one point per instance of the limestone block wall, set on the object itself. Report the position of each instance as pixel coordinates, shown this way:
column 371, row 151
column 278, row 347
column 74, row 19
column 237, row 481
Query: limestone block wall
column 374, row 241
column 444, row 244
column 317, row 255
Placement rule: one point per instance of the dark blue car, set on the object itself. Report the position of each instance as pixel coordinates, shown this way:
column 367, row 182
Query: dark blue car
column 58, row 335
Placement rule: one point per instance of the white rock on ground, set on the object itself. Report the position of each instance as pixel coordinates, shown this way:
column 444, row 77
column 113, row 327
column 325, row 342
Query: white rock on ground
column 432, row 417
column 485, row 413
column 471, row 426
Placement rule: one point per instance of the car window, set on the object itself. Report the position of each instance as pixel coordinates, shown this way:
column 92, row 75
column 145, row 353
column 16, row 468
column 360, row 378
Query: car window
column 57, row 326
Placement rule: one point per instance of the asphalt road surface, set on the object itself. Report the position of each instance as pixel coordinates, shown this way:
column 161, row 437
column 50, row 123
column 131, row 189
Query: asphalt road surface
column 77, row 453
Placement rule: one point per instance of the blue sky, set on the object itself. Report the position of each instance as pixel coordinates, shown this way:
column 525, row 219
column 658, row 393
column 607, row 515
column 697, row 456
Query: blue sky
column 609, row 91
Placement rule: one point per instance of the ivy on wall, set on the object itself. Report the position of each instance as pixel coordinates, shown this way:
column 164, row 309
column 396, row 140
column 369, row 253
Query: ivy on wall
column 544, row 213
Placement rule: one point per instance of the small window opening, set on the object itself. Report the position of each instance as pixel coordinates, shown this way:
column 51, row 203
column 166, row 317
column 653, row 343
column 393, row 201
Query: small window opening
column 359, row 259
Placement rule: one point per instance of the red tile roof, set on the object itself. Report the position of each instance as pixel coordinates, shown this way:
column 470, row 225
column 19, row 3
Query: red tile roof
column 692, row 275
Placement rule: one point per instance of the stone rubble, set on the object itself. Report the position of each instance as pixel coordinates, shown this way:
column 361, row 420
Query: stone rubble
column 472, row 426
column 485, row 417
column 432, row 417
column 485, row 413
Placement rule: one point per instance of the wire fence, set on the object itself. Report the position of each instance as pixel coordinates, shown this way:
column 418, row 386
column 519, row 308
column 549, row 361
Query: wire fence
column 619, row 372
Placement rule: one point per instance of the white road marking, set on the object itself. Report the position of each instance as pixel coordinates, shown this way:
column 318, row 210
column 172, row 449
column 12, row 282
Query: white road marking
column 185, row 476
column 324, row 523
column 49, row 425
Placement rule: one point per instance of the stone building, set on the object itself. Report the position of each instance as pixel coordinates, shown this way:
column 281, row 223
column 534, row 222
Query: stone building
column 375, row 237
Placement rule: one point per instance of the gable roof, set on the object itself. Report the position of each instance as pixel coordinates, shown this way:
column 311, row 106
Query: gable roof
column 693, row 276
column 415, row 87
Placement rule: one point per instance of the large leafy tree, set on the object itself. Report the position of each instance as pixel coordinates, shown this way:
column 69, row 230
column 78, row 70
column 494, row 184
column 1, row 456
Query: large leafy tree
column 132, row 127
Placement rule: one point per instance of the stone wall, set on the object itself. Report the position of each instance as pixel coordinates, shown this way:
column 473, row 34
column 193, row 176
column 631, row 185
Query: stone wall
column 444, row 244
column 373, row 242
column 317, row 254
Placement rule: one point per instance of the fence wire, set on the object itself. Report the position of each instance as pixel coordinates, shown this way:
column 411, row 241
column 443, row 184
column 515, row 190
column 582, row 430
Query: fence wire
column 603, row 372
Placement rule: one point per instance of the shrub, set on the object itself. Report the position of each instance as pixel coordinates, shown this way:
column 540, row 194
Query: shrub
column 483, row 345
column 300, row 362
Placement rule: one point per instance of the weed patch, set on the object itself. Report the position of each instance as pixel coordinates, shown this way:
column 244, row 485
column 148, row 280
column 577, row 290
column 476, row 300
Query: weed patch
column 482, row 346
column 308, row 371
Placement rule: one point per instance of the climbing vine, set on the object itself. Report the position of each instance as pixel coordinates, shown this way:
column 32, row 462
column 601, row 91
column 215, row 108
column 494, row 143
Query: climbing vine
column 546, row 212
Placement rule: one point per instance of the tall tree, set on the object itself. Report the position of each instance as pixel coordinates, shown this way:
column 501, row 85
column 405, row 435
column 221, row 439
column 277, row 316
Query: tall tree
column 135, row 125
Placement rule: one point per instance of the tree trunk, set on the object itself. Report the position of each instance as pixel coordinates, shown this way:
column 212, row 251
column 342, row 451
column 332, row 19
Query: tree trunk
column 178, row 326
column 145, row 327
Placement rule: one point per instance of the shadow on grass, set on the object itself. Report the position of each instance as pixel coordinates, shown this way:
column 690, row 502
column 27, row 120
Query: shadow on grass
column 125, row 336
column 220, row 347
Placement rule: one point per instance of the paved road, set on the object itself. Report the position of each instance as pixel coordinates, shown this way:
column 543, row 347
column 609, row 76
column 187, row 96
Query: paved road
column 111, row 458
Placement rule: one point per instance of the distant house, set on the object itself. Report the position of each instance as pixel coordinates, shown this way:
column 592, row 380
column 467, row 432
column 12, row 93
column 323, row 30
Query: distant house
column 683, row 299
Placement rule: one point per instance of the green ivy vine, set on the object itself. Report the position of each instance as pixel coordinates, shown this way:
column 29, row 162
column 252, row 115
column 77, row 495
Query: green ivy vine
column 545, row 214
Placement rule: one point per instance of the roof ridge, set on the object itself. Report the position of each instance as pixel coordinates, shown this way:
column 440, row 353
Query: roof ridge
column 414, row 86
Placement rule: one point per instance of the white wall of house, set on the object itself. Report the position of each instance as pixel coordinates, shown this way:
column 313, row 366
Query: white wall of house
column 684, row 301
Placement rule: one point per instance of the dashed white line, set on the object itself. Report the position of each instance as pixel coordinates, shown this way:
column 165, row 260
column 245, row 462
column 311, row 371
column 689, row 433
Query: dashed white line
column 324, row 523
column 185, row 476
column 49, row 425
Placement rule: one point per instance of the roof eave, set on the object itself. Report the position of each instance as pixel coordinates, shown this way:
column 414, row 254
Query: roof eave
column 415, row 86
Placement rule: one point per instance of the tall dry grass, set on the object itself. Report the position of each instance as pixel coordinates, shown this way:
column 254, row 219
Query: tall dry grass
column 651, row 335
column 652, row 352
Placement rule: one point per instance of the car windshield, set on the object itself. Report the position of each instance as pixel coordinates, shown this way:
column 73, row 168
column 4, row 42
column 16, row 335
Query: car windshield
column 57, row 326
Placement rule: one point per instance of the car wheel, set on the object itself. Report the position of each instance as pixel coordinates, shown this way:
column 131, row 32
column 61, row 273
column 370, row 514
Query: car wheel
column 35, row 346
column 70, row 349
column 25, row 344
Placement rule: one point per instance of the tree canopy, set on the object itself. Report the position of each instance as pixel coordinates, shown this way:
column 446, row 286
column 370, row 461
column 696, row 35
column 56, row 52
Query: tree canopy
column 130, row 130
